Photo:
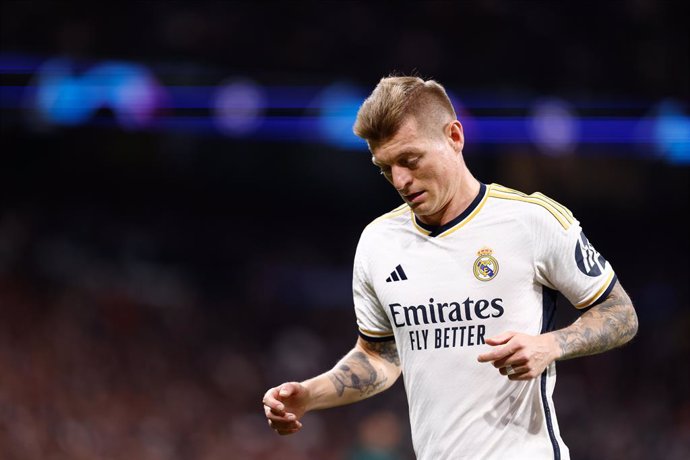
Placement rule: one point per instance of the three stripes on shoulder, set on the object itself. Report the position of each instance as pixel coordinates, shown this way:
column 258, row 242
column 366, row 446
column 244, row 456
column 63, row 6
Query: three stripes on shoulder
column 560, row 212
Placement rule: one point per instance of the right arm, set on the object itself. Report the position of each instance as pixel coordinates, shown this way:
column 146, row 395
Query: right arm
column 369, row 368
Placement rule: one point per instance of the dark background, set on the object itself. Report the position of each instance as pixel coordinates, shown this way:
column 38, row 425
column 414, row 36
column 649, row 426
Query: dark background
column 154, row 283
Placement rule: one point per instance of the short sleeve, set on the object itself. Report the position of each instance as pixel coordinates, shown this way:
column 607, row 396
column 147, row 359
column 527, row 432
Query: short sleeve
column 567, row 261
column 372, row 321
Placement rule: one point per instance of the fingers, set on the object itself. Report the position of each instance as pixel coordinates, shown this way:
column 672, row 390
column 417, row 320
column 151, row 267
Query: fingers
column 524, row 371
column 510, row 370
column 513, row 366
column 500, row 339
column 518, row 373
column 271, row 402
column 285, row 428
column 508, row 356
column 275, row 396
column 279, row 416
column 502, row 352
column 279, row 419
column 283, row 424
column 515, row 359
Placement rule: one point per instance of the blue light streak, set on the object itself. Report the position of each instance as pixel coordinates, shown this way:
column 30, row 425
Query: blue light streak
column 70, row 93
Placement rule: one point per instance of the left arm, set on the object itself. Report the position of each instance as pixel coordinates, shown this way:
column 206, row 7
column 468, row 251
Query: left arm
column 607, row 325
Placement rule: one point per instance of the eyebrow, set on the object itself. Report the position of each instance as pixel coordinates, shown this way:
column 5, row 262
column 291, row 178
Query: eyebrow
column 404, row 153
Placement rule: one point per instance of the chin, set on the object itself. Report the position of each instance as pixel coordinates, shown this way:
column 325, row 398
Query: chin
column 420, row 209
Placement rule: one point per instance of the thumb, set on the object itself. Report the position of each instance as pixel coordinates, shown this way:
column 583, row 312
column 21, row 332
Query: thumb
column 286, row 390
column 501, row 338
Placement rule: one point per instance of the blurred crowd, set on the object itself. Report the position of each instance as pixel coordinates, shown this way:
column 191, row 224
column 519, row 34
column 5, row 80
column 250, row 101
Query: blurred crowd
column 108, row 360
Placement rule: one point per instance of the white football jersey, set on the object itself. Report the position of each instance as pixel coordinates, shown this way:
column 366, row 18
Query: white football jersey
column 440, row 292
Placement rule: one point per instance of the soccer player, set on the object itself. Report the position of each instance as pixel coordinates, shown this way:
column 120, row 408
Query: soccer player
column 456, row 288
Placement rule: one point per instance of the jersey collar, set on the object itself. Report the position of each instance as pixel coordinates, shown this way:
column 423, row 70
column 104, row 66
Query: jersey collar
column 456, row 223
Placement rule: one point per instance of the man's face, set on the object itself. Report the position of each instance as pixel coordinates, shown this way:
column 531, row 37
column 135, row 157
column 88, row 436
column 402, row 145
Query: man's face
column 424, row 166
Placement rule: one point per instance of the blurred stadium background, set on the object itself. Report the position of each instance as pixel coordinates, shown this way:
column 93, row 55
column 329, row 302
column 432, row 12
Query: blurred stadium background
column 181, row 196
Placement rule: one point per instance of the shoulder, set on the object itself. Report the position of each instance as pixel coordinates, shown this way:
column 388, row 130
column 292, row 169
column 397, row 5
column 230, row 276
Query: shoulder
column 386, row 226
column 535, row 206
column 389, row 220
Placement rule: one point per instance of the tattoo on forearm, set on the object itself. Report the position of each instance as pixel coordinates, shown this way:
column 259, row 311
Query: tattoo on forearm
column 387, row 350
column 357, row 372
column 605, row 326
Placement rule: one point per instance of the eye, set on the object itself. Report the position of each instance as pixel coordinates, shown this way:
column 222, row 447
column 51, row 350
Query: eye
column 385, row 171
column 411, row 162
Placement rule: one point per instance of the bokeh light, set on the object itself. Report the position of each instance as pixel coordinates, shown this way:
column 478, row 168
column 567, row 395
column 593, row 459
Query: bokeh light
column 239, row 105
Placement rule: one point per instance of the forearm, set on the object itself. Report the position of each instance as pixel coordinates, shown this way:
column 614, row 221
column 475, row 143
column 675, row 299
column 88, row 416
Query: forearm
column 368, row 369
column 603, row 327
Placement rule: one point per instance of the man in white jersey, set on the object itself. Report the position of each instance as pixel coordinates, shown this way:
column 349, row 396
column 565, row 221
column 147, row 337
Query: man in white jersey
column 456, row 288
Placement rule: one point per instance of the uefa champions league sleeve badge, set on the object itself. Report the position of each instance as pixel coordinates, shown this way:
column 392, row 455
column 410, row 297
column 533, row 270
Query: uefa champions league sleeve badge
column 485, row 266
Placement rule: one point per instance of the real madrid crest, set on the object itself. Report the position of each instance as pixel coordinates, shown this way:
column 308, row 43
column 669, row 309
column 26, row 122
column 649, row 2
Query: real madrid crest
column 485, row 266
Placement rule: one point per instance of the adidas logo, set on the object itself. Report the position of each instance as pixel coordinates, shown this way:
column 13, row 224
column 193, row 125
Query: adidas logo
column 397, row 275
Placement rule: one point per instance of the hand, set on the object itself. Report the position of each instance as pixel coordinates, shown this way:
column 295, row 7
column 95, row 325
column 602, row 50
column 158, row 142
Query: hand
column 284, row 405
column 521, row 356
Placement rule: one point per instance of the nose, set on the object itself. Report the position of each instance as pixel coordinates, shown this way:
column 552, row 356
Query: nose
column 401, row 178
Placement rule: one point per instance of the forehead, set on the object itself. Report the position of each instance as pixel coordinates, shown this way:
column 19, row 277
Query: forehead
column 409, row 139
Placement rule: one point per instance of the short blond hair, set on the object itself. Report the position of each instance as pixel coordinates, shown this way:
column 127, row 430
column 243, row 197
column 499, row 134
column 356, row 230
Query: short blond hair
column 393, row 100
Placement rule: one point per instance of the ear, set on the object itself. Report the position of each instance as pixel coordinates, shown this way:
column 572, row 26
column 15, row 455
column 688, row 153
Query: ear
column 456, row 135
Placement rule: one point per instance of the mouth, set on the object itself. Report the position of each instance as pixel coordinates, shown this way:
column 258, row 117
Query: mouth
column 413, row 197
